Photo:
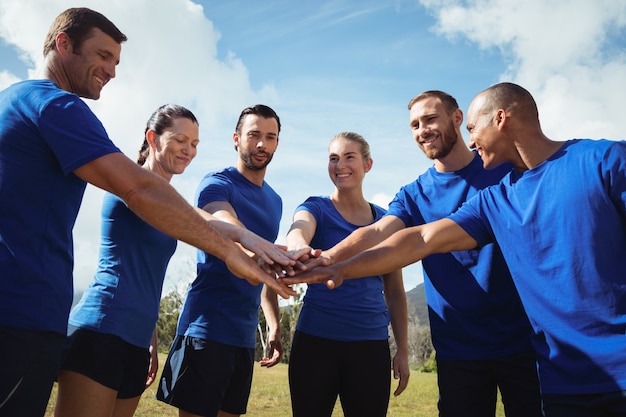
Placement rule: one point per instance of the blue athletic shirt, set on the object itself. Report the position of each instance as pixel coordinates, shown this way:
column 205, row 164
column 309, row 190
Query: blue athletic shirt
column 474, row 310
column 562, row 230
column 124, row 297
column 219, row 306
column 354, row 311
column 45, row 134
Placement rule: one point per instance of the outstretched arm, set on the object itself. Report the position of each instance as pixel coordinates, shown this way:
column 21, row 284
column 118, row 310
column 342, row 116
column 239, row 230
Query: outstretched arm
column 395, row 297
column 399, row 250
column 262, row 249
column 364, row 238
column 156, row 202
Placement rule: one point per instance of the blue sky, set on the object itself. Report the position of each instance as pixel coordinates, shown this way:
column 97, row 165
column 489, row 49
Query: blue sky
column 331, row 66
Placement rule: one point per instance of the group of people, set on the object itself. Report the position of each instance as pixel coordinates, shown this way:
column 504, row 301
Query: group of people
column 521, row 239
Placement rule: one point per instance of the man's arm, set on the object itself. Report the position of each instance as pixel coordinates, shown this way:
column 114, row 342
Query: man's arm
column 395, row 297
column 269, row 304
column 399, row 250
column 364, row 238
column 262, row 249
column 156, row 202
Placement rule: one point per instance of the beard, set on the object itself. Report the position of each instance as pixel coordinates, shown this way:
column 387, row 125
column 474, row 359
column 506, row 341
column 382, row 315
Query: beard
column 250, row 164
column 447, row 141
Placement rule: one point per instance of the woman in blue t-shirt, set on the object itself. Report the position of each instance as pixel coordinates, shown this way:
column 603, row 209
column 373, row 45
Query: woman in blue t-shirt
column 341, row 346
column 111, row 354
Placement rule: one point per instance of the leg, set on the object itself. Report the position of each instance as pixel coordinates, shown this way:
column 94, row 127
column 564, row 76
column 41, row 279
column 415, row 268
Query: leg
column 466, row 389
column 519, row 385
column 313, row 376
column 365, row 378
column 80, row 396
column 125, row 407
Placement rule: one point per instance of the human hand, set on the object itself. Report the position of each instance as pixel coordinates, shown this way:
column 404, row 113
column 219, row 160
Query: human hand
column 242, row 266
column 302, row 257
column 401, row 371
column 331, row 275
column 267, row 253
column 153, row 367
column 274, row 355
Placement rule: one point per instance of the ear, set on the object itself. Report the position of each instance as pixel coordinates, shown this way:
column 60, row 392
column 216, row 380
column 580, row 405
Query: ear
column 63, row 43
column 368, row 164
column 151, row 138
column 457, row 117
column 500, row 118
column 236, row 141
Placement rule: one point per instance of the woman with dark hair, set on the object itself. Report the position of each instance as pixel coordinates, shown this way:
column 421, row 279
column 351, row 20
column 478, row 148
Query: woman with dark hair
column 111, row 353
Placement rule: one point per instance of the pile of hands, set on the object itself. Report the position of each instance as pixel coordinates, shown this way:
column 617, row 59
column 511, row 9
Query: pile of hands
column 302, row 266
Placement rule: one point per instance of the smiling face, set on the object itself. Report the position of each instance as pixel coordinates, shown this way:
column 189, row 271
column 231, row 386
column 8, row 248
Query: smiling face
column 346, row 163
column 433, row 127
column 256, row 142
column 484, row 133
column 175, row 148
column 89, row 68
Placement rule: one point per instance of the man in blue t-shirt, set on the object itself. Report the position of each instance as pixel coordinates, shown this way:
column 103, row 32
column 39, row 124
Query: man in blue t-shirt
column 560, row 220
column 210, row 364
column 479, row 328
column 51, row 145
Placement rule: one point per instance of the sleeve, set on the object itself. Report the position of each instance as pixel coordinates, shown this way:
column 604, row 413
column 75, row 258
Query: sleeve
column 74, row 133
column 313, row 206
column 472, row 218
column 398, row 208
column 214, row 187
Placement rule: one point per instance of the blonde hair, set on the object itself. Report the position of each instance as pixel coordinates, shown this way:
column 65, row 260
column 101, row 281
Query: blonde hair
column 354, row 137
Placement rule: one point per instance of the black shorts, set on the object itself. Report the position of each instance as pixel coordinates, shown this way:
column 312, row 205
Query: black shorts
column 320, row 369
column 29, row 363
column 108, row 360
column 202, row 377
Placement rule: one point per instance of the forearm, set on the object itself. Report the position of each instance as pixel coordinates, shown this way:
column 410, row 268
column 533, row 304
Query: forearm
column 162, row 207
column 407, row 246
column 363, row 238
column 395, row 297
column 271, row 310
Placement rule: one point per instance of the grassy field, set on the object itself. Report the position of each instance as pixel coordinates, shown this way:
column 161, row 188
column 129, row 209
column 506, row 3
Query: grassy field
column 270, row 397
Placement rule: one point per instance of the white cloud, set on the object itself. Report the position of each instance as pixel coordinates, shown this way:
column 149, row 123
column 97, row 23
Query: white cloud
column 559, row 51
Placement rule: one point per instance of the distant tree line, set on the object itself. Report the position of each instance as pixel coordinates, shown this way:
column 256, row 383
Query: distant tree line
column 421, row 352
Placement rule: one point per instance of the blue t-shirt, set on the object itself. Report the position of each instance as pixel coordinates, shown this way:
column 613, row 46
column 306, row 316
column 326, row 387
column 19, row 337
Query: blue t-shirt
column 474, row 310
column 45, row 134
column 562, row 230
column 124, row 298
column 220, row 306
column 354, row 311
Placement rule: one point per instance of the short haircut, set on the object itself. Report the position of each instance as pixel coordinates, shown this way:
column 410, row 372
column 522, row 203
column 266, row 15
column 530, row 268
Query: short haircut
column 77, row 23
column 260, row 110
column 446, row 99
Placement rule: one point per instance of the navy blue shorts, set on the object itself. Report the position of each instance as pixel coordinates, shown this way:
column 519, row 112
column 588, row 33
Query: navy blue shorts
column 29, row 363
column 202, row 377
column 108, row 360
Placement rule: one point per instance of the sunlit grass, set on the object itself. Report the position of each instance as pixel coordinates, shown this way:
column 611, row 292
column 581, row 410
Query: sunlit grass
column 270, row 397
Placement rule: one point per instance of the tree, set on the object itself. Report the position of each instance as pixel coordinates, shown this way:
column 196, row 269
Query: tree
column 169, row 311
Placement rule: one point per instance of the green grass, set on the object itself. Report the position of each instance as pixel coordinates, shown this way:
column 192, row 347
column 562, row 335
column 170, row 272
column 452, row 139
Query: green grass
column 270, row 397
